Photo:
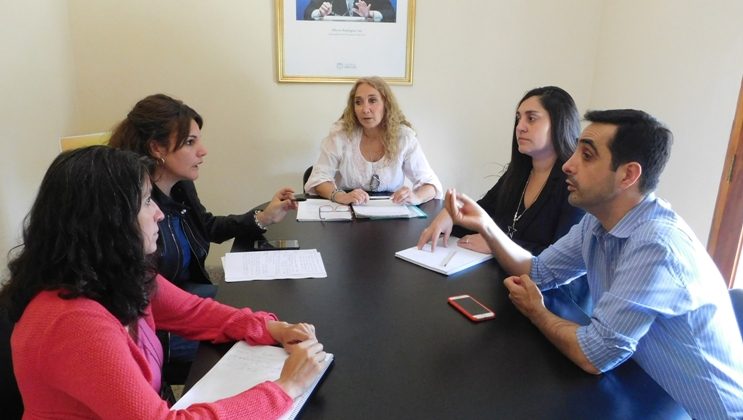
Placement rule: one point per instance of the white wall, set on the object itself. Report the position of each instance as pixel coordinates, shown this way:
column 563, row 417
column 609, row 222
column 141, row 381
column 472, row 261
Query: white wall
column 219, row 58
column 682, row 61
column 36, row 85
column 469, row 74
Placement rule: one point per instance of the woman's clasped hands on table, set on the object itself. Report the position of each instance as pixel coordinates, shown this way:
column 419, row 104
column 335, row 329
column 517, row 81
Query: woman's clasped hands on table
column 288, row 334
column 357, row 196
column 305, row 359
column 404, row 195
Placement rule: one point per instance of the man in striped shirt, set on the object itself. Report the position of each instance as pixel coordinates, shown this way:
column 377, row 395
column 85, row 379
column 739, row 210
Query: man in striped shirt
column 660, row 298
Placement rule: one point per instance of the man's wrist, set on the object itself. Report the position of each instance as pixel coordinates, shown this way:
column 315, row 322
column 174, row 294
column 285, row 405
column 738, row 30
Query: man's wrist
column 540, row 316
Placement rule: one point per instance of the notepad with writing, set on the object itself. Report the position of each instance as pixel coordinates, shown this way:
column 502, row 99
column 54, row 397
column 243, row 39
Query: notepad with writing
column 241, row 368
column 269, row 265
column 445, row 260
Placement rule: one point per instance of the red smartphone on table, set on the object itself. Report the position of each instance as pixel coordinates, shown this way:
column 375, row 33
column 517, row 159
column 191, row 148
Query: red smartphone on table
column 471, row 308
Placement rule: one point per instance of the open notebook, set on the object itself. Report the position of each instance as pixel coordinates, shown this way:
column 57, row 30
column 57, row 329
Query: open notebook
column 243, row 367
column 445, row 260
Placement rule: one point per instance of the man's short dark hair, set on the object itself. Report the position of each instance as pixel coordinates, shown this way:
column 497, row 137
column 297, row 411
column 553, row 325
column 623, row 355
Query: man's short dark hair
column 640, row 138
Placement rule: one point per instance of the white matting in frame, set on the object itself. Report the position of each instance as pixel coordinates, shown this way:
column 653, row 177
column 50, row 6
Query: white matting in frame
column 342, row 49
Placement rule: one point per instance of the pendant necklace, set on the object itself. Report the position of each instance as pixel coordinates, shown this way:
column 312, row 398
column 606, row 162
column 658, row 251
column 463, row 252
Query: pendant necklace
column 516, row 214
column 374, row 181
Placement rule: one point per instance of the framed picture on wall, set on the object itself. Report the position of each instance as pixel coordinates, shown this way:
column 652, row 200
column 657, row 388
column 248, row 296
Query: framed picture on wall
column 332, row 41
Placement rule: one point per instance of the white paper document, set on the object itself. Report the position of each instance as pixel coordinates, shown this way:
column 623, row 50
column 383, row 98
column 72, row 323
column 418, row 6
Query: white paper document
column 445, row 260
column 243, row 367
column 269, row 265
column 316, row 210
column 386, row 209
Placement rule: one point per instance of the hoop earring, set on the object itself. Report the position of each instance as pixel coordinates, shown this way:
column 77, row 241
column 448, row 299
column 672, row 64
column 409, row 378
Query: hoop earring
column 161, row 161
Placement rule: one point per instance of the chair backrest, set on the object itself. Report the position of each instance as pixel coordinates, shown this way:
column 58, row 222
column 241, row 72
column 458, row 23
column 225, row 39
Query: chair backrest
column 9, row 394
column 736, row 295
column 305, row 177
column 75, row 142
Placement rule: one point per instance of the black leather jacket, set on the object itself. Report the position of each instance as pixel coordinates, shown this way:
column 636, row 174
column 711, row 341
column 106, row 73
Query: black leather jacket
column 200, row 227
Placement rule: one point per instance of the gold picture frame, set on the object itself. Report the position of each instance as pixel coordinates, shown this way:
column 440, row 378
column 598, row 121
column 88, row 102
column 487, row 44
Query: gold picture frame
column 340, row 49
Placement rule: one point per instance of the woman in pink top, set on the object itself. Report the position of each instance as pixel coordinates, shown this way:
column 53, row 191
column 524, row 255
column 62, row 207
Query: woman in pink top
column 86, row 302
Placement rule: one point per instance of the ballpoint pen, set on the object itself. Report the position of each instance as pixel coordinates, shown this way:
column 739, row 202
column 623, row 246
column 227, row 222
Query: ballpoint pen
column 448, row 258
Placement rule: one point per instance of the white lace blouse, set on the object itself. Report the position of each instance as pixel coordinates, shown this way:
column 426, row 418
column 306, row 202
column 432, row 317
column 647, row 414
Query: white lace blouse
column 341, row 162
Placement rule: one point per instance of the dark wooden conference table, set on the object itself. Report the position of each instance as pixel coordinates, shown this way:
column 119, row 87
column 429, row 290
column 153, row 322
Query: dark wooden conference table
column 402, row 352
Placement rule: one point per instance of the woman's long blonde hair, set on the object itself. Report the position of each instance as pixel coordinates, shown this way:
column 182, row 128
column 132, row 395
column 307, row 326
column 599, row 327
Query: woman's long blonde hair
column 391, row 121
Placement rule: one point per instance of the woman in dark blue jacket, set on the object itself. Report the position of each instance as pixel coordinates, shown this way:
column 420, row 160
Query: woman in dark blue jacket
column 169, row 132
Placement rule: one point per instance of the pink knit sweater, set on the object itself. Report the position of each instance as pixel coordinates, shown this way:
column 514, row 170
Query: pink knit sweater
column 73, row 359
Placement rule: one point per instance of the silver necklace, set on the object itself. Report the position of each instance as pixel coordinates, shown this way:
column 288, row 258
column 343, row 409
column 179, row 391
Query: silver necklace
column 374, row 182
column 516, row 214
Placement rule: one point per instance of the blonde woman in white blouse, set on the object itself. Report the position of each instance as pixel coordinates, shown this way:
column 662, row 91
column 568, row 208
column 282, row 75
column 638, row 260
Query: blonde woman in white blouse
column 372, row 148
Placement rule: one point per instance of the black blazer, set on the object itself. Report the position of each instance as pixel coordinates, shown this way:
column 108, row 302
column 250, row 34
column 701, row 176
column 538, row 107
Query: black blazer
column 200, row 226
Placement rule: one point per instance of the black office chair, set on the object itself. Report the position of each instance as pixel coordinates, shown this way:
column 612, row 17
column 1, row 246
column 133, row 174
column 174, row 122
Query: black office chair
column 9, row 394
column 305, row 177
column 736, row 295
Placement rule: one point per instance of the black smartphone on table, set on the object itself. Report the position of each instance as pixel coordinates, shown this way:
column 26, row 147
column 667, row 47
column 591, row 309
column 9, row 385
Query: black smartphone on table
column 275, row 244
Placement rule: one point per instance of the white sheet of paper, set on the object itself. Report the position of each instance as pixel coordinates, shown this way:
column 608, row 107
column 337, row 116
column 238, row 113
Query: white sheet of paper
column 440, row 260
column 241, row 368
column 269, row 265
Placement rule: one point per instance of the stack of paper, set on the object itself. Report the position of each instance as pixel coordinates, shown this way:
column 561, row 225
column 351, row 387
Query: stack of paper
column 445, row 260
column 269, row 265
column 386, row 209
column 241, row 368
column 315, row 210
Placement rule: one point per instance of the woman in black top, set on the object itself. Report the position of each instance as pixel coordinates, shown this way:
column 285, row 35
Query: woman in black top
column 169, row 132
column 530, row 200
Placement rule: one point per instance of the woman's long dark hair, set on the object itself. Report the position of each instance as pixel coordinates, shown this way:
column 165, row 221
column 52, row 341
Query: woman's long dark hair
column 153, row 120
column 82, row 236
column 565, row 129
